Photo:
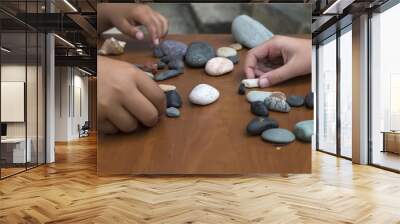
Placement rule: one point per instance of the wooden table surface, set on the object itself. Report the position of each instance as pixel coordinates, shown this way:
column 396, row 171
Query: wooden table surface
column 206, row 139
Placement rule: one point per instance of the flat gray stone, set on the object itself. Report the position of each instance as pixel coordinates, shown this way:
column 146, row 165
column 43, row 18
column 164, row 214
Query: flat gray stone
column 278, row 135
column 176, row 64
column 167, row 74
column 256, row 95
column 276, row 104
column 259, row 124
column 249, row 32
column 174, row 49
column 304, row 130
column 198, row 54
column 295, row 101
column 173, row 112
column 258, row 108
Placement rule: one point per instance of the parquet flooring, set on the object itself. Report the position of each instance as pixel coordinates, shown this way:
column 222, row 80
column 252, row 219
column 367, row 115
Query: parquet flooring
column 70, row 192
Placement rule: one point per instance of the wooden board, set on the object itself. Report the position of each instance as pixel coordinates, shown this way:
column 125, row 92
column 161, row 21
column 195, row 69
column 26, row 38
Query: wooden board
column 210, row 139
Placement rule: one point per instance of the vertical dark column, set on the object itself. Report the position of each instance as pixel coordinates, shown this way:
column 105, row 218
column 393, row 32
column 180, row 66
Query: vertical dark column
column 316, row 95
column 338, row 73
column 26, row 87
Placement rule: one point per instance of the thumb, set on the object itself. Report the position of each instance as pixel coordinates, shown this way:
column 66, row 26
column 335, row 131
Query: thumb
column 127, row 28
column 275, row 76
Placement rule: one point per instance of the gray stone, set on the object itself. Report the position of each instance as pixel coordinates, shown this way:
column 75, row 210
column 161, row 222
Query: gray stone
column 161, row 65
column 173, row 48
column 198, row 53
column 304, row 130
column 295, row 101
column 256, row 95
column 276, row 104
column 173, row 112
column 309, row 100
column 259, row 124
column 157, row 52
column 258, row 108
column 249, row 32
column 242, row 89
column 176, row 64
column 278, row 135
column 165, row 59
column 173, row 99
column 234, row 59
column 167, row 74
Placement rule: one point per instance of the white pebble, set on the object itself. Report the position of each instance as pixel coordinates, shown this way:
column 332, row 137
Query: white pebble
column 226, row 52
column 218, row 66
column 203, row 94
column 250, row 83
column 112, row 46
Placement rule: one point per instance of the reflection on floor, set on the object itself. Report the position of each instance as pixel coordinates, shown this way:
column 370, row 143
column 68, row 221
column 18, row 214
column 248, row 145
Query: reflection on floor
column 387, row 159
column 69, row 191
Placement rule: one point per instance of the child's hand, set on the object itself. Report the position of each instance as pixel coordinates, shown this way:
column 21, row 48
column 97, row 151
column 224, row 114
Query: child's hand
column 279, row 59
column 127, row 17
column 126, row 97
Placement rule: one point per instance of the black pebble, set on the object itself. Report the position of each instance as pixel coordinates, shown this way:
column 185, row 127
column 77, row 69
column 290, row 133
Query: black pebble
column 295, row 101
column 259, row 124
column 242, row 89
column 157, row 52
column 161, row 65
column 165, row 59
column 258, row 108
column 176, row 64
column 309, row 100
column 234, row 59
column 173, row 99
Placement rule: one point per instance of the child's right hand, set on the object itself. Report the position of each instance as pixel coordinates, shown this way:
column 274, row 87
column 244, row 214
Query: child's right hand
column 126, row 97
column 127, row 17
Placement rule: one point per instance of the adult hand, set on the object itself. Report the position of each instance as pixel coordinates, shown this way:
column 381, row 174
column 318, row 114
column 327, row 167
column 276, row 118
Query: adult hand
column 279, row 59
column 126, row 97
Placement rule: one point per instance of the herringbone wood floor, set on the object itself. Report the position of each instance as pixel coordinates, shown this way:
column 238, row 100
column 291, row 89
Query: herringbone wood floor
column 70, row 192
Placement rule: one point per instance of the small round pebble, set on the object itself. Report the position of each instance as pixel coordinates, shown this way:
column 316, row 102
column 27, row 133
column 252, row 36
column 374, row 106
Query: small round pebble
column 258, row 108
column 295, row 101
column 276, row 104
column 173, row 112
column 250, row 83
column 173, row 99
column 309, row 100
column 259, row 124
column 218, row 66
column 198, row 53
column 203, row 94
column 166, row 87
column 226, row 52
column 236, row 46
column 242, row 89
column 304, row 130
column 256, row 95
column 278, row 135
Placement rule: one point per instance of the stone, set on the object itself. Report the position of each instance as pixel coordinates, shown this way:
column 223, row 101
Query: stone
column 167, row 74
column 249, row 32
column 173, row 48
column 242, row 89
column 256, row 95
column 112, row 46
column 150, row 75
column 161, row 65
column 165, row 59
column 279, row 95
column 276, row 104
column 278, row 135
column 218, row 66
column 234, row 59
column 295, row 101
column 203, row 94
column 258, row 108
column 259, row 124
column 157, row 52
column 166, row 87
column 226, row 52
column 173, row 112
column 173, row 99
column 304, row 130
column 250, row 83
column 198, row 53
column 309, row 100
column 236, row 46
column 176, row 64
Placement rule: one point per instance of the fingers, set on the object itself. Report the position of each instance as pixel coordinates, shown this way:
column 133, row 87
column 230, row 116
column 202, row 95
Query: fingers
column 275, row 76
column 127, row 28
column 152, row 92
column 253, row 57
column 122, row 119
column 107, row 127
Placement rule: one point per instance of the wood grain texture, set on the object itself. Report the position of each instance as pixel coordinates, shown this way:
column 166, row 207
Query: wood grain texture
column 209, row 139
column 69, row 191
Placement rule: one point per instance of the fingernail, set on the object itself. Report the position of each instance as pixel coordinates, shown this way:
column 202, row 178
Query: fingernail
column 156, row 41
column 139, row 35
column 263, row 83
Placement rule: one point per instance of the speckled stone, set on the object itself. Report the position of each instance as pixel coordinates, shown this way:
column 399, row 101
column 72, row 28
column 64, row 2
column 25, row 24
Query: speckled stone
column 249, row 32
column 279, row 95
column 173, row 48
column 278, row 135
column 226, row 52
column 258, row 108
column 259, row 124
column 295, row 101
column 304, row 130
column 176, row 64
column 256, row 95
column 309, row 100
column 173, row 112
column 167, row 75
column 199, row 53
column 173, row 99
column 276, row 104
column 234, row 59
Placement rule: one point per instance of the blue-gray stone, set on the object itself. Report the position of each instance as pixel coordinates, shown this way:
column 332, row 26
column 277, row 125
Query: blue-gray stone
column 167, row 74
column 249, row 32
column 165, row 59
column 309, row 100
column 173, row 48
column 173, row 112
column 234, row 59
column 160, row 65
column 258, row 108
column 277, row 104
column 295, row 101
column 259, row 124
column 157, row 52
column 278, row 135
column 304, row 130
column 256, row 95
column 176, row 64
column 198, row 53
column 173, row 99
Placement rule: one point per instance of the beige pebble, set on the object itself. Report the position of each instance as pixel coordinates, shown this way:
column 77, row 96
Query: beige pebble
column 226, row 52
column 236, row 46
column 250, row 83
column 218, row 66
column 166, row 87
column 279, row 95
column 150, row 75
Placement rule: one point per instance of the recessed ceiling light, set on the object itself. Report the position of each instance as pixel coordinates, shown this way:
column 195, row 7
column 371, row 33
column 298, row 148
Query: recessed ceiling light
column 70, row 5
